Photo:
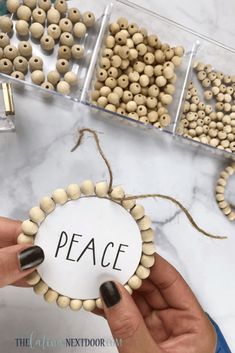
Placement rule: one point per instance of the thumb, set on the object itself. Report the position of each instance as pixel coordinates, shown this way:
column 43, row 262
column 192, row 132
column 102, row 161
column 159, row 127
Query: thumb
column 125, row 320
column 18, row 261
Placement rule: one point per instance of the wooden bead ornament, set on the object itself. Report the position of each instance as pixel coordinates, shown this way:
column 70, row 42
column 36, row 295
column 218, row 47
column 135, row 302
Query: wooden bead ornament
column 47, row 42
column 71, row 78
column 64, row 52
column 20, row 64
column 18, row 74
column 40, row 288
column 4, row 40
column 67, row 39
column 6, row 24
column 10, row 52
column 23, row 13
column 79, row 30
column 63, row 87
column 61, row 6
column 54, row 31
column 12, row 5
column 53, row 77
column 37, row 77
column 22, row 28
column 88, row 19
column 48, row 86
column 66, row 25
column 39, row 15
column 74, row 15
column 62, row 66
column 44, row 4
column 25, row 49
column 53, row 16
column 35, row 63
column 77, row 51
column 37, row 30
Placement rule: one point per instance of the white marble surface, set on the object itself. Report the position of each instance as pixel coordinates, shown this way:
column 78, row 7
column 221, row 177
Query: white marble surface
column 37, row 159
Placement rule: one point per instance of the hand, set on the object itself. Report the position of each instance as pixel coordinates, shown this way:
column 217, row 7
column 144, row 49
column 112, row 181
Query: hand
column 163, row 316
column 16, row 261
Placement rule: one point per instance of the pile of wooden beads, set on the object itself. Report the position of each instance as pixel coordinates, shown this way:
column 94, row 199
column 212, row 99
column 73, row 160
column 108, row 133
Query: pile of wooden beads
column 136, row 74
column 212, row 124
column 73, row 192
column 49, row 24
column 225, row 207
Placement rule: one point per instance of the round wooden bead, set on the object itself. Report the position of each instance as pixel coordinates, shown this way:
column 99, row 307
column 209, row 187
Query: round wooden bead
column 36, row 215
column 88, row 19
column 39, row 15
column 10, row 52
column 61, row 6
column 117, row 193
column 47, row 85
column 20, row 64
column 128, row 204
column 62, row 66
column 36, row 30
column 89, row 305
column 6, row 24
column 75, row 304
column 99, row 303
column 147, row 260
column 47, row 204
column 64, row 52
column 165, row 120
column 51, row 296
column 144, row 223
column 18, row 74
column 129, row 289
column 25, row 49
column 67, row 39
column 35, row 63
column 79, row 30
column 166, row 99
column 101, row 189
column 33, row 278
column 87, row 187
column 135, row 282
column 37, row 77
column 53, row 16
column 161, row 81
column 22, row 28
column 73, row 191
column 122, row 22
column 41, row 288
column 63, row 301
column 231, row 216
column 12, row 5
column 53, row 77
column 74, row 15
column 77, row 51
column 113, row 98
column 30, row 3
column 47, row 42
column 147, row 235
column 23, row 13
column 137, row 212
column 29, row 227
column 24, row 239
column 148, row 248
column 4, row 40
column 60, row 196
column 71, row 78
column 66, row 25
column 44, row 4
column 63, row 87
column 142, row 272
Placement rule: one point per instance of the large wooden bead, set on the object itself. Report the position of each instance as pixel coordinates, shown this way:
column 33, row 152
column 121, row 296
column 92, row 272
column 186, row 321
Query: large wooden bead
column 36, row 30
column 148, row 248
column 29, row 227
column 61, row 6
column 47, row 204
column 24, row 239
column 99, row 303
column 66, row 25
column 77, row 51
column 25, row 49
column 87, row 187
column 39, row 15
column 147, row 260
column 44, row 4
column 79, row 30
column 88, row 19
column 135, row 282
column 51, row 296
column 12, row 5
column 75, row 304
column 6, row 24
column 63, row 87
column 73, row 191
column 41, row 288
column 63, row 301
column 23, row 13
column 37, row 77
column 35, row 63
column 4, row 40
column 53, row 16
column 101, row 189
column 33, row 278
column 36, row 215
column 71, row 78
column 60, row 196
column 30, row 3
column 89, row 304
column 47, row 42
column 142, row 272
column 22, row 28
column 137, row 212
column 53, row 77
column 10, row 52
column 74, row 15
column 147, row 235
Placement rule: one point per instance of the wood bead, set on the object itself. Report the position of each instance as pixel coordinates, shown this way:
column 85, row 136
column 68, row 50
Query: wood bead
column 128, row 204
column 54, row 31
column 117, row 193
column 20, row 64
column 231, row 216
column 53, row 77
column 144, row 223
column 99, row 303
column 41, row 288
column 4, row 40
column 142, row 272
column 147, row 260
column 44, row 4
column 10, row 52
column 61, row 6
column 66, row 25
column 48, row 86
column 30, row 3
column 6, row 24
column 148, row 248
column 22, row 28
column 60, row 196
column 101, row 189
column 165, row 120
column 25, row 49
column 137, row 212
column 67, row 39
column 129, row 289
column 36, row 30
column 71, row 78
column 63, row 301
column 24, row 239
column 87, row 187
column 53, row 16
column 37, row 77
column 33, row 278
column 89, row 305
column 88, row 19
column 23, row 13
column 114, row 28
column 63, row 87
column 12, row 5
column 75, row 304
column 122, row 22
column 29, row 227
column 77, row 51
column 47, row 42
column 35, row 63
column 74, row 15
column 51, row 296
column 47, row 204
column 18, row 74
column 73, row 191
column 36, row 215
column 64, row 53
column 39, row 15
column 147, row 235
column 62, row 66
column 79, row 30
column 135, row 282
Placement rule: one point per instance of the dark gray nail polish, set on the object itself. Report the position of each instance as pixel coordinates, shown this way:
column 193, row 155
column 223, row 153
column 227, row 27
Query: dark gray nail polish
column 110, row 293
column 30, row 257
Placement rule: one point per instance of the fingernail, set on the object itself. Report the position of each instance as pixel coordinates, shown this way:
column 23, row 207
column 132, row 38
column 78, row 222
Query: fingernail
column 30, row 257
column 110, row 293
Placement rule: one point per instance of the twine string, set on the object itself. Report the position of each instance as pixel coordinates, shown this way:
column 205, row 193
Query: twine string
column 144, row 196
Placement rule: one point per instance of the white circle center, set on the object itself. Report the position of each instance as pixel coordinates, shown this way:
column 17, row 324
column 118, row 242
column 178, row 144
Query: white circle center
column 87, row 242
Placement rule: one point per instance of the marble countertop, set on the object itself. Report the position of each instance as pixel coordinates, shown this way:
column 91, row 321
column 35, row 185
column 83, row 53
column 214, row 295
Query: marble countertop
column 36, row 159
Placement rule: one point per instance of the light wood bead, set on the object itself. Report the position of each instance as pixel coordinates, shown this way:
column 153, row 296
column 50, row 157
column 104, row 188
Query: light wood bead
column 36, row 215
column 4, row 40
column 24, row 239
column 29, row 227
column 65, row 25
column 133, row 116
column 30, row 3
column 71, row 78
column 63, row 301
column 53, row 16
column 148, row 248
column 87, row 187
column 54, row 31
column 227, row 210
column 137, row 38
column 35, row 63
column 166, row 99
column 219, row 197
column 128, row 204
column 62, row 66
column 231, row 216
column 223, row 204
column 135, row 282
column 117, row 193
column 75, row 304
column 73, row 191
column 104, row 91
column 89, row 305
column 25, row 49
column 142, row 272
column 41, row 288
column 64, row 52
column 144, row 223
column 113, row 98
column 99, row 303
column 74, row 14
column 122, row 22
column 10, row 52
column 18, row 74
column 48, row 86
column 147, row 260
column 131, row 106
column 147, row 235
column 79, row 30
column 101, row 189
column 179, row 51
column 36, row 30
column 102, row 102
column 229, row 170
column 77, row 51
column 113, row 72
column 144, row 80
column 133, row 54
column 47, row 42
column 12, row 5
column 47, row 204
column 39, row 15
column 165, row 120
column 153, row 116
column 44, row 4
column 20, row 64
column 138, row 212
column 37, row 77
column 51, row 296
column 161, row 81
column 60, row 196
column 220, row 189
column 6, row 24
column 88, row 19
column 23, row 13
column 33, row 278
column 135, row 87
column 128, row 288
column 22, row 28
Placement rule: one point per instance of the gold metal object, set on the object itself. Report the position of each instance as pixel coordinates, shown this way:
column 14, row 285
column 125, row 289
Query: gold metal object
column 8, row 99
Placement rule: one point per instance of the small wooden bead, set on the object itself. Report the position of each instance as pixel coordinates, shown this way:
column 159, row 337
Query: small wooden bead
column 122, row 22
column 30, row 3
column 73, row 191
column 36, row 215
column 114, row 28
column 137, row 38
column 22, row 28
column 166, row 99
column 113, row 98
column 87, row 187
column 79, row 30
column 179, row 51
column 47, row 42
column 104, row 91
column 101, row 189
column 4, row 40
column 39, row 15
column 131, row 106
column 10, row 52
column 71, row 78
column 102, row 102
column 88, row 19
column 220, row 197
column 51, row 296
column 18, row 74
column 141, row 111
column 161, row 81
column 128, row 204
column 35, row 63
column 47, row 85
column 6, row 24
column 63, row 87
column 129, row 289
column 47, row 204
column 36, row 30
column 147, row 260
column 165, row 120
column 62, row 66
column 64, row 52
column 23, row 13
column 37, row 77
column 227, row 210
column 66, row 25
column 148, row 248
column 77, row 51
column 220, row 189
column 53, row 16
column 144, row 223
column 63, row 301
column 142, row 272
column 20, row 64
column 111, row 107
column 44, row 4
column 99, row 303
column 41, row 288
column 231, row 216
column 12, row 5
column 60, row 196
column 135, row 282
column 117, row 193
column 75, row 304
column 33, row 278
column 25, row 49
column 29, row 227
column 61, row 6
column 24, row 239
column 89, row 305
column 147, row 235
column 223, row 204
column 138, row 212
column 67, row 39
column 74, row 15
column 54, row 31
